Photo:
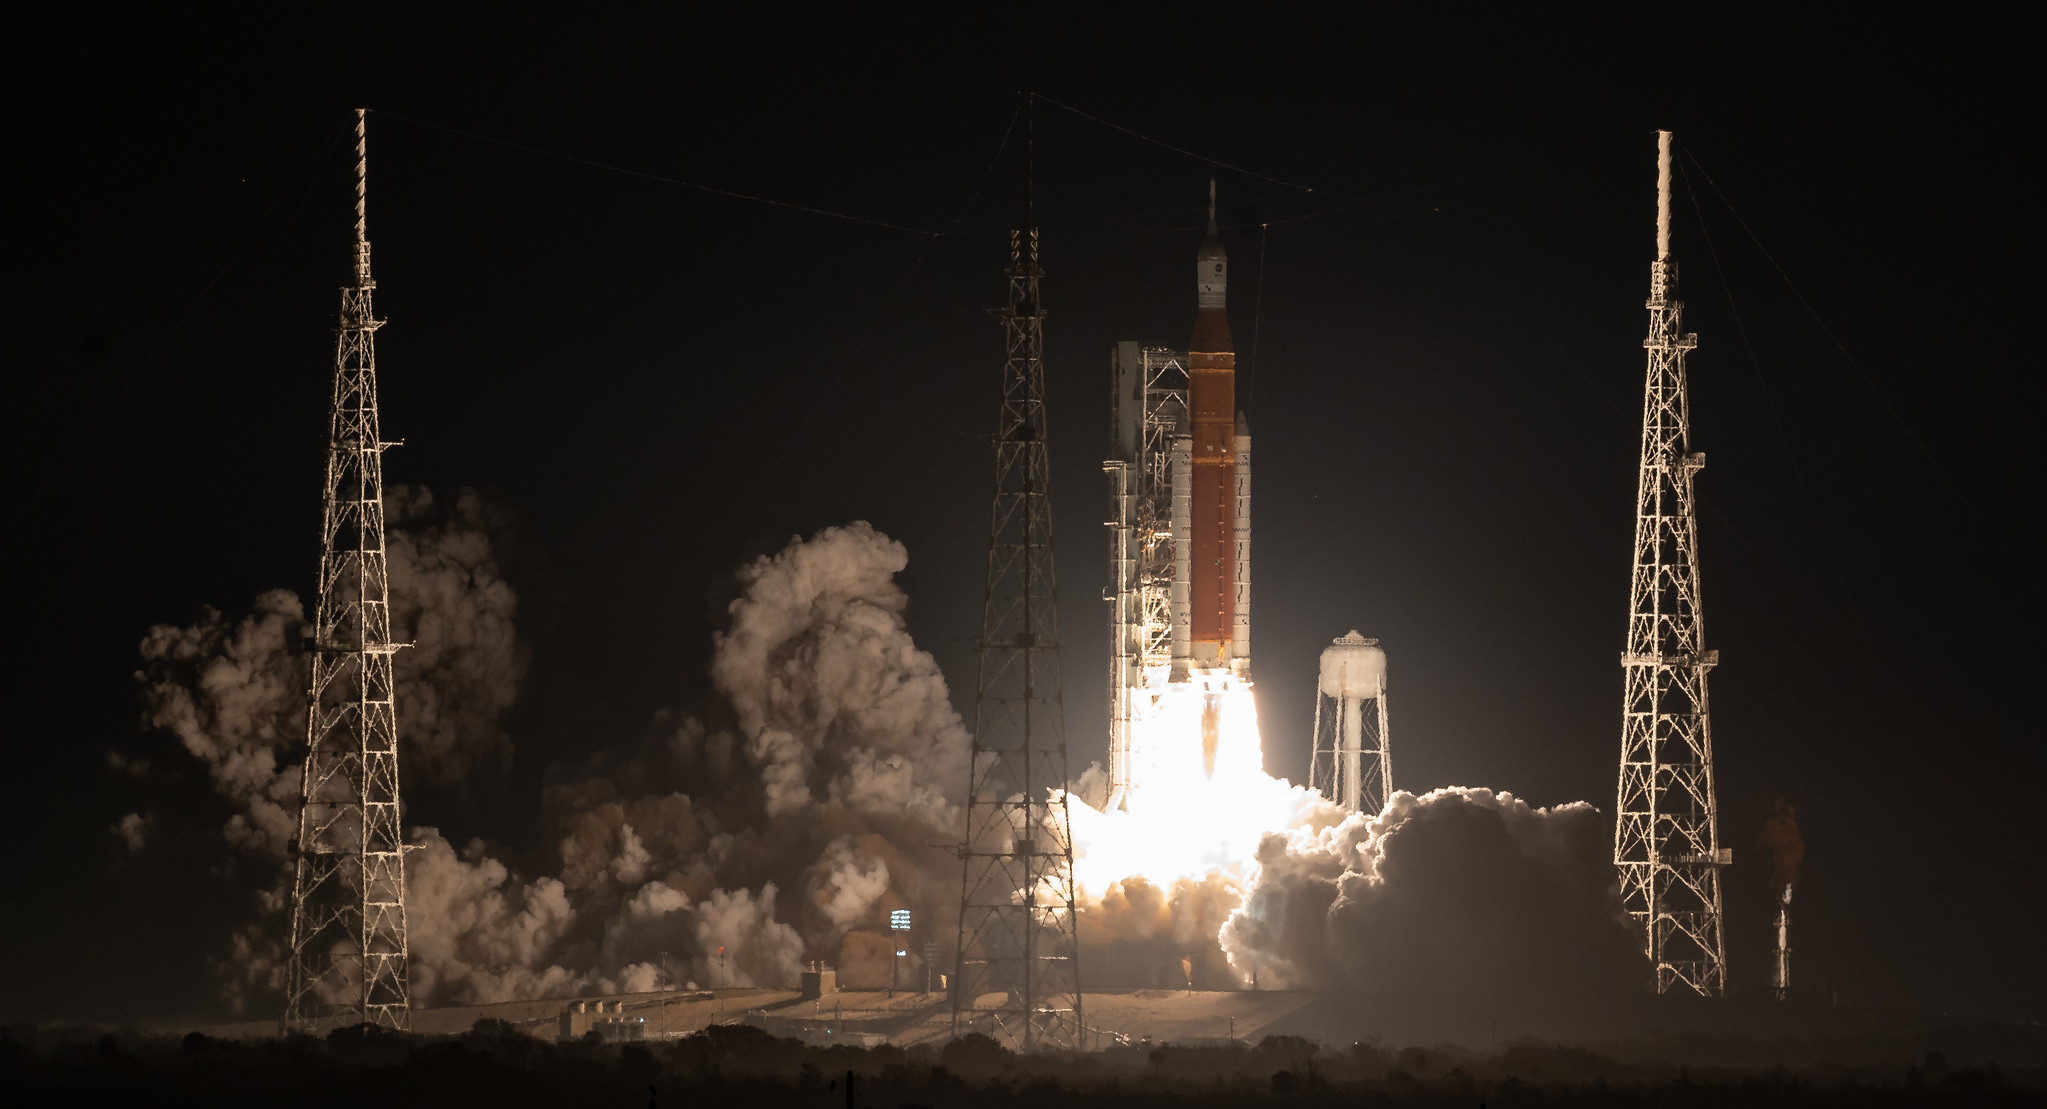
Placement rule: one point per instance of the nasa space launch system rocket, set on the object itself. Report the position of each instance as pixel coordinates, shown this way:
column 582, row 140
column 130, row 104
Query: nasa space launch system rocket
column 1214, row 519
column 1180, row 542
column 1218, row 509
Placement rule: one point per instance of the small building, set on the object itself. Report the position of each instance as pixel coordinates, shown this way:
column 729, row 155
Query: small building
column 819, row 982
column 606, row 1018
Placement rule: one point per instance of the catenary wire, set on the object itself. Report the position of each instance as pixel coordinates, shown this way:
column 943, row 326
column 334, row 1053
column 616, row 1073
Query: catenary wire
column 1954, row 487
column 121, row 387
column 901, row 283
column 1812, row 508
column 662, row 178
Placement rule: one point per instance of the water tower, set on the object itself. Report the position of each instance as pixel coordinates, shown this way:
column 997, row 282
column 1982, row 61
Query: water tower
column 1353, row 760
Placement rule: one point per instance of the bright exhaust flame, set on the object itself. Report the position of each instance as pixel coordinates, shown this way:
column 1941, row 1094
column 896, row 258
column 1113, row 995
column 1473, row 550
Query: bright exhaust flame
column 1199, row 800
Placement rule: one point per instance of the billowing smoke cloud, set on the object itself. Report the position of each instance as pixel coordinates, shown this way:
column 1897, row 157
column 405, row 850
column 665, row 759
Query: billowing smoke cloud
column 733, row 853
column 449, row 601
column 830, row 691
column 780, row 825
column 1453, row 898
column 233, row 692
column 1138, row 934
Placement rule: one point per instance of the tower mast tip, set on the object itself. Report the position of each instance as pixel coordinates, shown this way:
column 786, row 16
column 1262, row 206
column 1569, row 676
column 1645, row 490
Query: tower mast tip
column 1662, row 195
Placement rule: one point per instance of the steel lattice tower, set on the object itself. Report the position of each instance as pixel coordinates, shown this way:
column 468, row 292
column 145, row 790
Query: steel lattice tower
column 1017, row 925
column 1666, row 833
column 348, row 953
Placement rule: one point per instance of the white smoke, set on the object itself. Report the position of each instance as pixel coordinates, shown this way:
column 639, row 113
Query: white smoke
column 465, row 663
column 733, row 855
column 780, row 826
column 828, row 687
column 134, row 831
column 1141, row 933
column 1455, row 895
column 470, row 920
column 233, row 692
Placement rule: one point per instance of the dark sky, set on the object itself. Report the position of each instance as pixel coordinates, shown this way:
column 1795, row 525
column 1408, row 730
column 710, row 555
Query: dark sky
column 656, row 384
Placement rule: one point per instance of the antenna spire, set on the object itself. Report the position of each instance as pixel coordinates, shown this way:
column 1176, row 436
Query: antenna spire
column 1026, row 219
column 1662, row 195
column 362, row 182
column 362, row 162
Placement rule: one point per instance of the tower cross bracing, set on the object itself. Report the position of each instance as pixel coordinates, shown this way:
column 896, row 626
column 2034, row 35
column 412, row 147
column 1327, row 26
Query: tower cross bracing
column 1018, row 976
column 1150, row 408
column 348, row 956
column 1666, row 831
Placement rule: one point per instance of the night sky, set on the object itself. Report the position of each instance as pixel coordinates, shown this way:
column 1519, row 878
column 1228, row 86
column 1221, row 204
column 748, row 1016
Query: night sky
column 1439, row 351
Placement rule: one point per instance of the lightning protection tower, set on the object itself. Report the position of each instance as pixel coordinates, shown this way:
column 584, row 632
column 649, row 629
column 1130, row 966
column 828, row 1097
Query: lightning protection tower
column 1017, row 937
column 1353, row 753
column 1666, row 830
column 348, row 953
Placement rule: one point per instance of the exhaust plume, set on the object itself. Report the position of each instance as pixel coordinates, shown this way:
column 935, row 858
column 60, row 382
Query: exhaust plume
column 1453, row 897
column 779, row 825
column 1781, row 838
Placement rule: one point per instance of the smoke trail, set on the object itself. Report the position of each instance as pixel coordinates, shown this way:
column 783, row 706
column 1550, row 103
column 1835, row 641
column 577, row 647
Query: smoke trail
column 1781, row 838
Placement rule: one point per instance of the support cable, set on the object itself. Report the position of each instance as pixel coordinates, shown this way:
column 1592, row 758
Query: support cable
column 121, row 387
column 901, row 283
column 1954, row 487
column 662, row 178
column 1748, row 347
column 1203, row 158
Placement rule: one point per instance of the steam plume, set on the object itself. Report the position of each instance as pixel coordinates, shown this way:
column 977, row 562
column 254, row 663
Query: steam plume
column 1781, row 838
column 781, row 824
column 745, row 849
column 233, row 692
column 1455, row 895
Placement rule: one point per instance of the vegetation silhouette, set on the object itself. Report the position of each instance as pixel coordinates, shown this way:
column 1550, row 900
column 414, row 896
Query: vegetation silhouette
column 494, row 1063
